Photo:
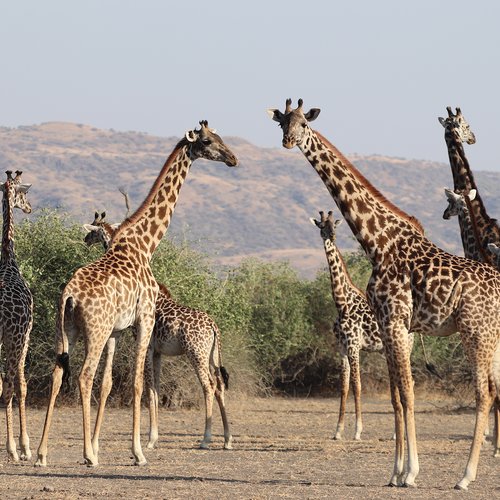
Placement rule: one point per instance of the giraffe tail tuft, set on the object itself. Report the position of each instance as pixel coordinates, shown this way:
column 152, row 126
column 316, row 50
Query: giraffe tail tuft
column 225, row 376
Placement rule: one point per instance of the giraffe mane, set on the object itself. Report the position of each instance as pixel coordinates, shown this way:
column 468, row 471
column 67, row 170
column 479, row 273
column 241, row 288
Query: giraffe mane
column 148, row 200
column 371, row 188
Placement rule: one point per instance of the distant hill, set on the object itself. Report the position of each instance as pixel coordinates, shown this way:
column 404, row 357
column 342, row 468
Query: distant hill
column 260, row 208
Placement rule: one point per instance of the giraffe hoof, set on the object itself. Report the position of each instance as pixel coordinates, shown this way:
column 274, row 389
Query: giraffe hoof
column 204, row 446
column 41, row 462
column 26, row 456
column 458, row 486
column 90, row 462
column 141, row 463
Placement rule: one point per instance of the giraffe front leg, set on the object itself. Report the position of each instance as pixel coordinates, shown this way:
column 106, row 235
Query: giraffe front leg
column 143, row 329
column 345, row 372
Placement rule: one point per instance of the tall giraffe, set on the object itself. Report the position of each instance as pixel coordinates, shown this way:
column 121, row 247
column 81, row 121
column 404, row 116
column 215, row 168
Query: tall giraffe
column 414, row 286
column 16, row 315
column 178, row 330
column 355, row 328
column 119, row 290
column 456, row 132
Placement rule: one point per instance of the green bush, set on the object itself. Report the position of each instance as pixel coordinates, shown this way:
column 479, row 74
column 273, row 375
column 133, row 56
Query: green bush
column 276, row 328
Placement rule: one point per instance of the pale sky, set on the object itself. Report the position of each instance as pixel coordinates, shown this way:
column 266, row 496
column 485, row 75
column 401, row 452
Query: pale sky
column 381, row 71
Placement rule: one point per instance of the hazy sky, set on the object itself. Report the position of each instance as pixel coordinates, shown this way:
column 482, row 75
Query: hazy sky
column 381, row 71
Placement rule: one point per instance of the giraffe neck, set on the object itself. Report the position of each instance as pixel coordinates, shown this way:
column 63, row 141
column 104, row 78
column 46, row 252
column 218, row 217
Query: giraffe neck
column 343, row 289
column 145, row 228
column 376, row 223
column 7, row 229
column 485, row 229
column 469, row 231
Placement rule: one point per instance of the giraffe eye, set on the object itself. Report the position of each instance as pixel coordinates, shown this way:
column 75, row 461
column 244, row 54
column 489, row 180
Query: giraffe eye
column 206, row 142
column 304, row 125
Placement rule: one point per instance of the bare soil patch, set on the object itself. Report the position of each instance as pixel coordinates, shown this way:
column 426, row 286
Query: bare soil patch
column 283, row 448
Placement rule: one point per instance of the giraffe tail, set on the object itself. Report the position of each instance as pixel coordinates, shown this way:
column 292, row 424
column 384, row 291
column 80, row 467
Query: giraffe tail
column 218, row 363
column 66, row 308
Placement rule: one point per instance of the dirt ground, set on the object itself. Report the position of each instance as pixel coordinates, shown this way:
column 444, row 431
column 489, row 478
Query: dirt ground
column 283, row 448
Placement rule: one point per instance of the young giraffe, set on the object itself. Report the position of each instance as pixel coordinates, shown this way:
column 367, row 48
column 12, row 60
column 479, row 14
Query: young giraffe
column 16, row 315
column 355, row 328
column 414, row 286
column 459, row 205
column 119, row 290
column 457, row 131
column 177, row 330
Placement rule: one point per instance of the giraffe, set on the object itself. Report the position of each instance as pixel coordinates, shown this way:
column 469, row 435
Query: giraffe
column 457, row 131
column 459, row 205
column 178, row 330
column 355, row 328
column 16, row 315
column 119, row 290
column 414, row 286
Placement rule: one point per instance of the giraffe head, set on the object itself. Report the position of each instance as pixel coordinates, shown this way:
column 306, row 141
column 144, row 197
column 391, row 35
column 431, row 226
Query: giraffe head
column 294, row 122
column 457, row 125
column 495, row 249
column 457, row 202
column 205, row 143
column 99, row 231
column 16, row 191
column 327, row 226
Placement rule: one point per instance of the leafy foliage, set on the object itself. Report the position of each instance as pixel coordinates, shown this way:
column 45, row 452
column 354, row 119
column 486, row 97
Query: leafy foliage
column 276, row 327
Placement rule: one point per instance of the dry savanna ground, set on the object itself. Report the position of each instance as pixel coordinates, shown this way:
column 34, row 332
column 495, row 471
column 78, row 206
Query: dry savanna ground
column 282, row 449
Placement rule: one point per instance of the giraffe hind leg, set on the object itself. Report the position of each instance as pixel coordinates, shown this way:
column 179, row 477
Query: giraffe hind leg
column 8, row 393
column 223, row 383
column 21, row 386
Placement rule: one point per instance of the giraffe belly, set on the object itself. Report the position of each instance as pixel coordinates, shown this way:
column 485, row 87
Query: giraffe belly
column 168, row 347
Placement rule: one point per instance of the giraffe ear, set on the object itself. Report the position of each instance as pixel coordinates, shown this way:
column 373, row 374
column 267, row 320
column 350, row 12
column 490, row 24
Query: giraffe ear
column 191, row 135
column 337, row 223
column 276, row 115
column 116, row 225
column 23, row 188
column 312, row 114
column 313, row 221
column 494, row 248
column 472, row 194
column 442, row 121
column 449, row 194
column 88, row 228
column 2, row 184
